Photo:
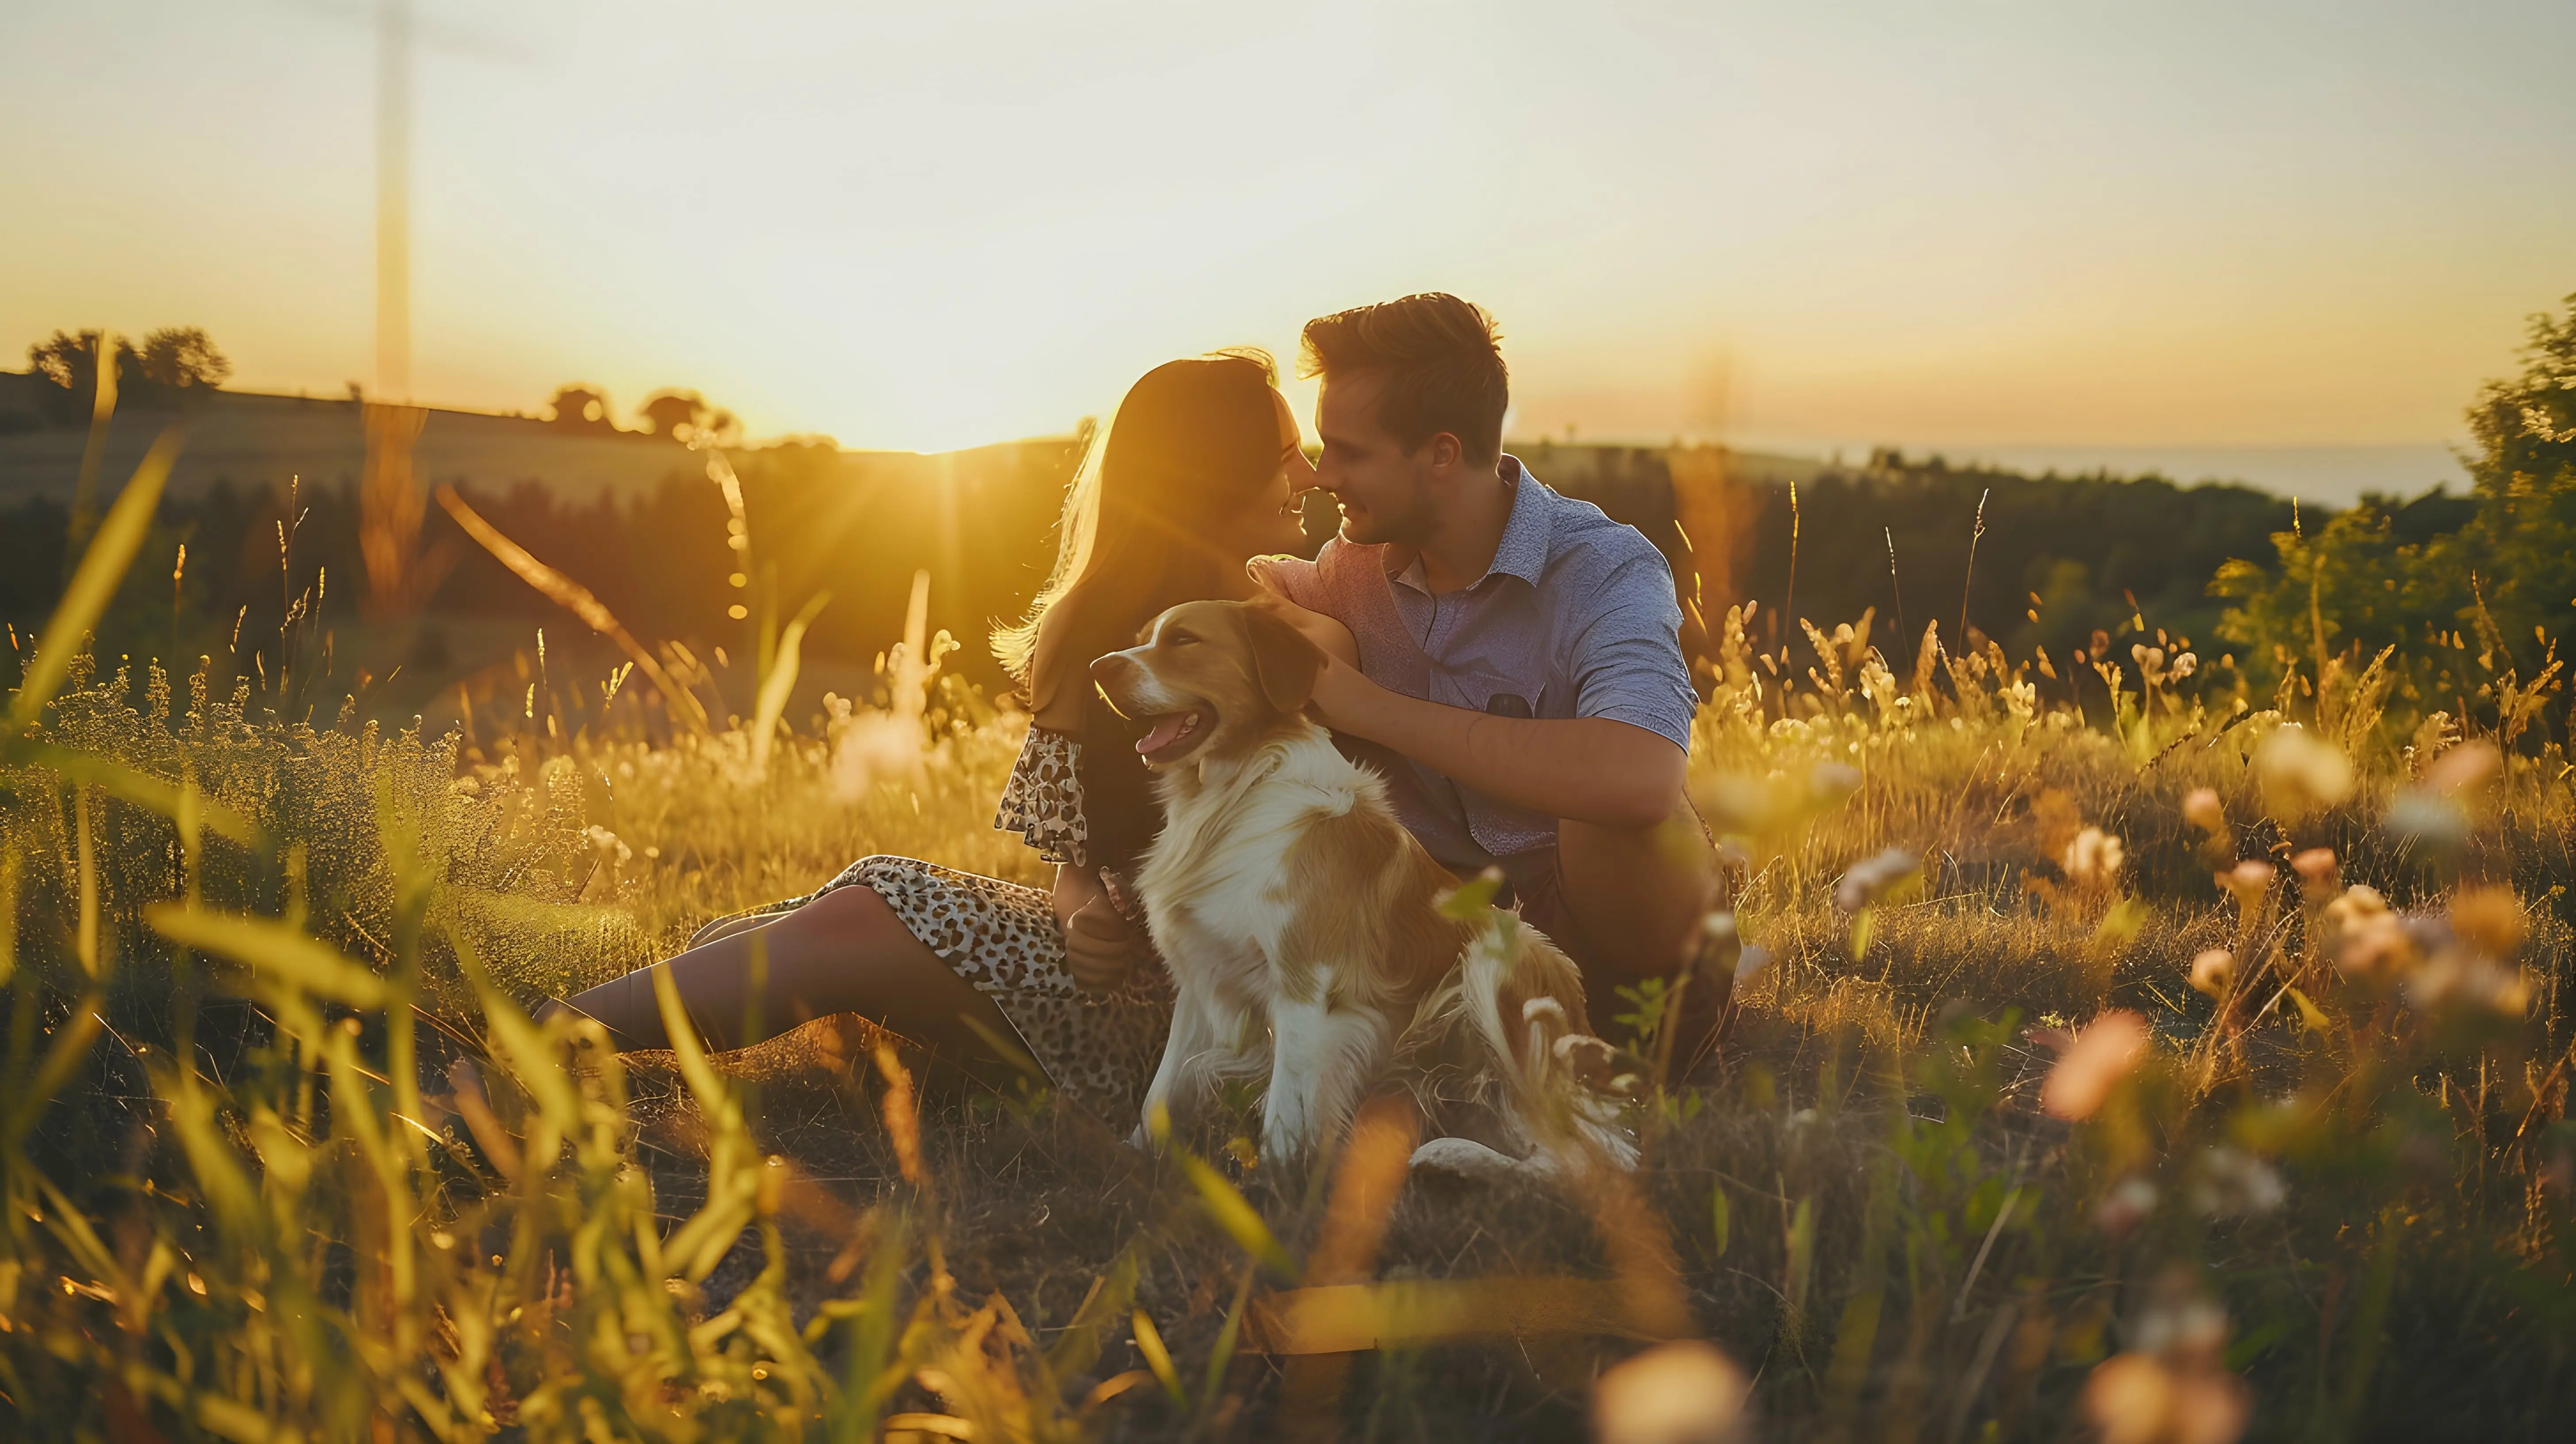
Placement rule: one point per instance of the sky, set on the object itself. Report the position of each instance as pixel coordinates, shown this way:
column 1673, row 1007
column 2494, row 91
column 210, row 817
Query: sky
column 1986, row 227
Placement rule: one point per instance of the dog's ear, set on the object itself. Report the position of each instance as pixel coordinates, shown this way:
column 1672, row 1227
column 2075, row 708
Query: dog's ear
column 1283, row 661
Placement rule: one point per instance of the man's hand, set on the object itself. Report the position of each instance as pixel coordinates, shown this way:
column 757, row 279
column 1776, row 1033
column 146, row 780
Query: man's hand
column 1328, row 635
column 1342, row 696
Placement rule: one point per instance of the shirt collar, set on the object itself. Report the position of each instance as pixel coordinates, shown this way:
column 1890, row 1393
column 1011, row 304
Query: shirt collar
column 1523, row 552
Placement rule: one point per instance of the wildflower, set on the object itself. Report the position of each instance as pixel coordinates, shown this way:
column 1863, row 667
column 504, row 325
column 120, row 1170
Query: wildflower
column 2202, row 810
column 2108, row 1050
column 2127, row 1398
column 608, row 843
column 2300, row 772
column 1735, row 805
column 2093, row 859
column 2319, row 875
column 2126, row 1205
column 1687, row 1392
column 2212, row 971
column 2489, row 918
column 1873, row 878
column 2136, row 1398
column 2422, row 818
column 2182, row 1325
column 2459, row 975
column 1833, row 781
column 2231, row 1181
column 2460, row 768
column 2184, row 665
column 2139, row 1397
column 2172, row 1385
column 2250, row 882
column 2366, row 940
column 2052, row 1034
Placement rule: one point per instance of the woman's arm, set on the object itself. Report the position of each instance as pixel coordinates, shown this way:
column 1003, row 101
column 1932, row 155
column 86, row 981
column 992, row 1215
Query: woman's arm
column 1100, row 947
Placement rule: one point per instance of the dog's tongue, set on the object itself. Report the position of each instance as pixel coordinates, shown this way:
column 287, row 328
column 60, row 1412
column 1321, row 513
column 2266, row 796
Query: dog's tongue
column 1167, row 728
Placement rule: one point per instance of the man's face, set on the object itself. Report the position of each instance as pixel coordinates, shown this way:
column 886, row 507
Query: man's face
column 1385, row 492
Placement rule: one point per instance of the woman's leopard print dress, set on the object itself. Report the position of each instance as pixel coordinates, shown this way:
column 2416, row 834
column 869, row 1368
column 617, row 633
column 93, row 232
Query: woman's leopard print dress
column 1099, row 1049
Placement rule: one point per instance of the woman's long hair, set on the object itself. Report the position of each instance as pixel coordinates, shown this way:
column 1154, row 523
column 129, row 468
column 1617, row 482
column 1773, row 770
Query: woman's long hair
column 1192, row 445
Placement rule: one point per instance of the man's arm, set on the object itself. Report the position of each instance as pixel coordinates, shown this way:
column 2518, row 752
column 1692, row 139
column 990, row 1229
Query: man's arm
column 1586, row 769
column 1620, row 764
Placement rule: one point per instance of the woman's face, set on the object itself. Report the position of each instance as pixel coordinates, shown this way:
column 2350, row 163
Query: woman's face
column 1270, row 524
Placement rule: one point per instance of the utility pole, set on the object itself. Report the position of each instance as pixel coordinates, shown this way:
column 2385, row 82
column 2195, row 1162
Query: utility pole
column 393, row 200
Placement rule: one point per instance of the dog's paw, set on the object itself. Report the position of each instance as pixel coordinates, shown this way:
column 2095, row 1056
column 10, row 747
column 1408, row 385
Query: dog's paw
column 1465, row 1158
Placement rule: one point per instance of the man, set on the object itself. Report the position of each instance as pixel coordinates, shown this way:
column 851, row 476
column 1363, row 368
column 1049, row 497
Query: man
column 1510, row 657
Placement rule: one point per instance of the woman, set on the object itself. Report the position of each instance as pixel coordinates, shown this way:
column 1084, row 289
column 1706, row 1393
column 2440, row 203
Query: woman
column 1200, row 469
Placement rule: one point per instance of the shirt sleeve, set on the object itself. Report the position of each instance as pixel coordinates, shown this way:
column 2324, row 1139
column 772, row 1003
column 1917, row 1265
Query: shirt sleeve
column 1626, row 657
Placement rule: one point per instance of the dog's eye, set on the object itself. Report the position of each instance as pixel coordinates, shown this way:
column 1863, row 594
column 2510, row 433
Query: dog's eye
column 1180, row 639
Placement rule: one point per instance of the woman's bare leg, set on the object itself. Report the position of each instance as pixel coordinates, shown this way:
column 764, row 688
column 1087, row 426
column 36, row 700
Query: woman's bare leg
column 727, row 927
column 844, row 952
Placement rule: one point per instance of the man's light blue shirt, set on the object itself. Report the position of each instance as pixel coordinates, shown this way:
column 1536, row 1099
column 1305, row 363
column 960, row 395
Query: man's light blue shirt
column 1575, row 618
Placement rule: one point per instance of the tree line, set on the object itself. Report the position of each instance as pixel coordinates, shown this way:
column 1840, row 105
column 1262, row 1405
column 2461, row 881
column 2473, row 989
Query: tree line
column 2457, row 599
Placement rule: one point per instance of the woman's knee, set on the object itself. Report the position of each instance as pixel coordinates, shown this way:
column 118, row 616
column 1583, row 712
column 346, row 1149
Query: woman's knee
column 850, row 907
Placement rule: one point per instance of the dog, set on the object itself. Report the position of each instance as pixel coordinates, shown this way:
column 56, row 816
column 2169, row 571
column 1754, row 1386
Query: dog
column 1310, row 950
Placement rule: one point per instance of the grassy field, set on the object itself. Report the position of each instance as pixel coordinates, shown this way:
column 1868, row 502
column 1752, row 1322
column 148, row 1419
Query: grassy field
column 2139, row 1056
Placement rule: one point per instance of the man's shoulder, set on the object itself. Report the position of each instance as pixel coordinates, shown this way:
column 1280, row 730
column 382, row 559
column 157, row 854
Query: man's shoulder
column 1586, row 543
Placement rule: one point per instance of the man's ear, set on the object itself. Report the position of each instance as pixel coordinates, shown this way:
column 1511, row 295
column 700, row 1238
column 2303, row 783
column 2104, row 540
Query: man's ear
column 1444, row 451
column 1283, row 661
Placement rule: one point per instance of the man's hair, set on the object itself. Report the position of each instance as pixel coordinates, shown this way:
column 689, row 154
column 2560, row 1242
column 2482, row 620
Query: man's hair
column 1442, row 364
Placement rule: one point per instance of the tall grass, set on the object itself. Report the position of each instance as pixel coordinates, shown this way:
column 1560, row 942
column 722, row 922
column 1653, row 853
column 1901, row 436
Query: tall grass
column 2138, row 1056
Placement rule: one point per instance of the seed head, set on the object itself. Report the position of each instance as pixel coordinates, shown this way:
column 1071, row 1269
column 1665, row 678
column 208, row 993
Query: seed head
column 2202, row 810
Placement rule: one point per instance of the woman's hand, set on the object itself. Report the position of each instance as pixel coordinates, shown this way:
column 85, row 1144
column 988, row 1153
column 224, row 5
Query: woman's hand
column 1327, row 634
column 1100, row 947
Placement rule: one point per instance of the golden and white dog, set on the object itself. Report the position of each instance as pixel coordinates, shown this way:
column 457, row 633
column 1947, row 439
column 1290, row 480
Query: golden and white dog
column 1304, row 929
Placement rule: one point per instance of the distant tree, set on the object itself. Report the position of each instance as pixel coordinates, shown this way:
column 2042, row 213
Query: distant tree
column 686, row 416
column 581, row 408
column 182, row 358
column 672, row 413
column 173, row 362
column 2495, row 569
column 71, row 362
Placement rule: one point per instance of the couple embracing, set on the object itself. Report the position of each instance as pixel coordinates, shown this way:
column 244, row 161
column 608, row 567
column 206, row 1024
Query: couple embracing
column 1509, row 659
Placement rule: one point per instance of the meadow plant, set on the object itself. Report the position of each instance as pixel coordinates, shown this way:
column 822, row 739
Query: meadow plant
column 2124, row 1053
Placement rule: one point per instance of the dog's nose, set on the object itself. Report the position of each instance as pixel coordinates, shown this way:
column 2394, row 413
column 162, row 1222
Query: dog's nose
column 1106, row 670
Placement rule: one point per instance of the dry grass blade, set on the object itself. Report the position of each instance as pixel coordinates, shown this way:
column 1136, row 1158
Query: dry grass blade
column 902, row 1118
column 1417, row 1313
column 278, row 954
column 1367, row 1183
column 1149, row 1342
column 69, row 1051
column 1233, row 1213
column 1111, row 1294
column 575, row 598
column 93, row 585
column 780, row 682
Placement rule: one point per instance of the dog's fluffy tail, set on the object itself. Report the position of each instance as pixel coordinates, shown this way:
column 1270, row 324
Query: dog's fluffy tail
column 1517, row 999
